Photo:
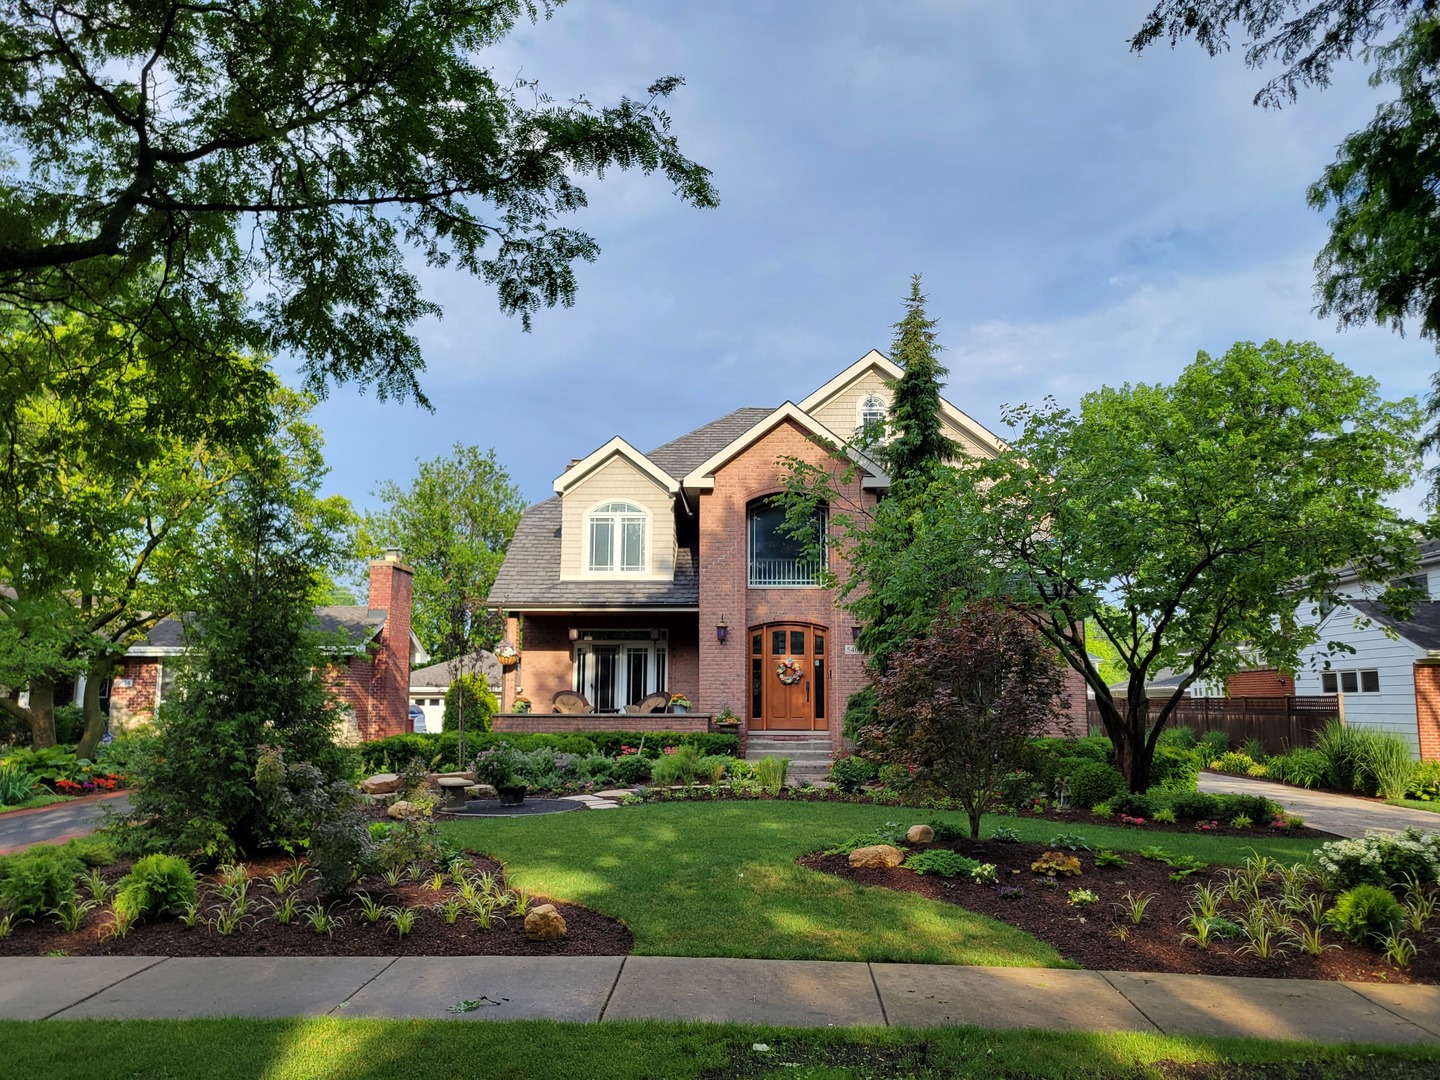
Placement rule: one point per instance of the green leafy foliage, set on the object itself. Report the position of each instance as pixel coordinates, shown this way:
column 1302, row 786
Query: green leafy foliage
column 1384, row 859
column 154, row 885
column 850, row 772
column 958, row 706
column 1366, row 913
column 1056, row 864
column 16, row 784
column 39, row 880
column 860, row 712
column 1307, row 768
column 1095, row 782
column 469, row 695
column 950, row 864
column 770, row 773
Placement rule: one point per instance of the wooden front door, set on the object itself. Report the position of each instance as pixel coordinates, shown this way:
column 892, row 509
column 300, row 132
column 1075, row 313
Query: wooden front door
column 787, row 677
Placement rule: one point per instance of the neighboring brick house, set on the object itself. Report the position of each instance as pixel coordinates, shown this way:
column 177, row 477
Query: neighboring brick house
column 374, row 680
column 666, row 571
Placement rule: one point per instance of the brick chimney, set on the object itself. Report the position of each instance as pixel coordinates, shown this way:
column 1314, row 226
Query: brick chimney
column 391, row 589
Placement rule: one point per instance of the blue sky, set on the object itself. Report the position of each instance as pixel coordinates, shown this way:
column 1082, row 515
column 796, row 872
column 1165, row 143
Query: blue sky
column 1082, row 216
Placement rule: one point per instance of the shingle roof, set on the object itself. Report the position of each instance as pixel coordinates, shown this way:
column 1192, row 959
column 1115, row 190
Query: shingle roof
column 359, row 623
column 1423, row 628
column 443, row 675
column 681, row 456
column 530, row 575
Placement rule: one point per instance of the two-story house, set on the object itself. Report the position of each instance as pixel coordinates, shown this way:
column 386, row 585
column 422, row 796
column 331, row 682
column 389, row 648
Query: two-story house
column 668, row 570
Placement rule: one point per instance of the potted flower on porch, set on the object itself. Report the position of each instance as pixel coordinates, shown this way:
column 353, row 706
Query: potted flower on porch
column 499, row 767
column 726, row 720
column 679, row 703
column 521, row 704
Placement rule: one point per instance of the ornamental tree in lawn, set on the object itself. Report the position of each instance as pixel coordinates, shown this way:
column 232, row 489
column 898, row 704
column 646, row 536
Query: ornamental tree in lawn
column 957, row 705
column 1195, row 527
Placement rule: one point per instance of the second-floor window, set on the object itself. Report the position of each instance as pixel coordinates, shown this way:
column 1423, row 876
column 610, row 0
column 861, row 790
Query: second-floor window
column 873, row 412
column 617, row 538
column 776, row 558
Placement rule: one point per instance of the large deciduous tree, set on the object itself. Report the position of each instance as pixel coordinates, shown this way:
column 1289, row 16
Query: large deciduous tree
column 1380, row 263
column 958, row 704
column 453, row 523
column 248, row 177
column 1194, row 526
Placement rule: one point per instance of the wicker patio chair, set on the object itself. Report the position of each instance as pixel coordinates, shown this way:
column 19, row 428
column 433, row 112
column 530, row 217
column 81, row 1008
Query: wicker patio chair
column 650, row 703
column 570, row 701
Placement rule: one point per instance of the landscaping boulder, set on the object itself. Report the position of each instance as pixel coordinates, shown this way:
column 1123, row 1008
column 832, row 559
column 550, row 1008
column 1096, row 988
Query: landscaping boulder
column 544, row 923
column 881, row 855
column 380, row 784
column 402, row 809
column 919, row 834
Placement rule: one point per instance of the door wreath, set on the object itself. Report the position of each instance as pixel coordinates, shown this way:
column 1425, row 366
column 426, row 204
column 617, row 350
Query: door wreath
column 788, row 671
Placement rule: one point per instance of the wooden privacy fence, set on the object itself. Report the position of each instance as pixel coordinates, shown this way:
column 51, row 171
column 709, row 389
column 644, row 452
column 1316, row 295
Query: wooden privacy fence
column 1281, row 723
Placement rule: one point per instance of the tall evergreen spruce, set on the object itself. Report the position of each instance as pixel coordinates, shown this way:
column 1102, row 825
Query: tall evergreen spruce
column 919, row 444
column 254, row 680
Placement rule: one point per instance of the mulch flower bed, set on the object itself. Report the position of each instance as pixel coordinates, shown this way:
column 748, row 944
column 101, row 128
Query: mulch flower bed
column 1101, row 936
column 588, row 933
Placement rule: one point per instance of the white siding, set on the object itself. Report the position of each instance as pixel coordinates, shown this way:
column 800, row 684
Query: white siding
column 1393, row 708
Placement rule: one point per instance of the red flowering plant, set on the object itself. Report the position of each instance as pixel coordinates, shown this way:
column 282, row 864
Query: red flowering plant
column 1126, row 819
column 1206, row 826
column 626, row 751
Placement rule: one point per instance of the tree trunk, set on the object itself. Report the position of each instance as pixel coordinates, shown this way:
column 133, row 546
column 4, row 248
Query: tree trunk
column 95, row 720
column 974, row 816
column 42, row 712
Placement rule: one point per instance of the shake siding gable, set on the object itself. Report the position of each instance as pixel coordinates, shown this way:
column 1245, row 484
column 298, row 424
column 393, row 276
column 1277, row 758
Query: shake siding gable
column 618, row 480
column 841, row 413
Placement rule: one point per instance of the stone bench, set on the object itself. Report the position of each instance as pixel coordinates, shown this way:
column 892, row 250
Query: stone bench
column 452, row 791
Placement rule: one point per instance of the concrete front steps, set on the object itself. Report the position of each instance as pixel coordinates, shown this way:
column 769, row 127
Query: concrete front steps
column 809, row 754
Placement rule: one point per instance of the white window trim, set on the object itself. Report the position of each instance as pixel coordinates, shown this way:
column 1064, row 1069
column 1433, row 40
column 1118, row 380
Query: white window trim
column 617, row 518
column 583, row 671
column 860, row 409
column 1359, row 673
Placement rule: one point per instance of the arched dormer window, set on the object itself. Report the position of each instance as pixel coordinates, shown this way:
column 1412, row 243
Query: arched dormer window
column 617, row 538
column 872, row 413
column 777, row 558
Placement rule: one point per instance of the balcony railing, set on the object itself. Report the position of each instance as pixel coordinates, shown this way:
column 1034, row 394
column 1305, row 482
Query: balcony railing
column 784, row 571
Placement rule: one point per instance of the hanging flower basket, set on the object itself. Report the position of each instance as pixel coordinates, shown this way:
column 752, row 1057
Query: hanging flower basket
column 788, row 670
column 507, row 654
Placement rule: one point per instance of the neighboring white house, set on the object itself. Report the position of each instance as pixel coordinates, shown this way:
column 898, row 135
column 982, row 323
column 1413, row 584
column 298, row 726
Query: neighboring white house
column 429, row 685
column 1389, row 680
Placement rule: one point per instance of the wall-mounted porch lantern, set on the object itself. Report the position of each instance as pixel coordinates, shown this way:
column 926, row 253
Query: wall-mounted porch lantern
column 574, row 634
column 854, row 633
column 721, row 630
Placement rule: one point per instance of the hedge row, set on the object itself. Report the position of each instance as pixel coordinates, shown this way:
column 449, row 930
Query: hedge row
column 441, row 751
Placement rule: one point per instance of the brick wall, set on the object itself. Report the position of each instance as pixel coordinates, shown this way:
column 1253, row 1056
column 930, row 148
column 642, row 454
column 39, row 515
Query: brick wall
column 1071, row 723
column 724, row 670
column 1427, row 710
column 547, row 658
column 1262, row 682
column 133, row 705
column 377, row 686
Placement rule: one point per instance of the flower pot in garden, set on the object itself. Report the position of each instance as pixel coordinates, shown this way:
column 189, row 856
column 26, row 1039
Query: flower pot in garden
column 511, row 794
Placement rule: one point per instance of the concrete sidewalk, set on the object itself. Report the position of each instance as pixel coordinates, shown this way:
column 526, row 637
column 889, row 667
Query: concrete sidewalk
column 1343, row 815
column 801, row 993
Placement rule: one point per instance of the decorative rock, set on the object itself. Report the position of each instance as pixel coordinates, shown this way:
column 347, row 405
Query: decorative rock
column 880, row 855
column 919, row 834
column 402, row 809
column 544, row 923
column 381, row 784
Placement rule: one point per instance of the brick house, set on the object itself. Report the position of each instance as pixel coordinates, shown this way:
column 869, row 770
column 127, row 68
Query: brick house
column 665, row 571
column 373, row 680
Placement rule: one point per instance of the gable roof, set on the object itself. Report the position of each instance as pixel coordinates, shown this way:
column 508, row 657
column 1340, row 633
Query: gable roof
column 702, row 476
column 360, row 624
column 1422, row 629
column 481, row 662
column 875, row 360
column 680, row 456
column 616, row 447
column 529, row 578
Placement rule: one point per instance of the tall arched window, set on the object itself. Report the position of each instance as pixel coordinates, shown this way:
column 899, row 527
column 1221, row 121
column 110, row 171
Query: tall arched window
column 873, row 411
column 777, row 558
column 617, row 538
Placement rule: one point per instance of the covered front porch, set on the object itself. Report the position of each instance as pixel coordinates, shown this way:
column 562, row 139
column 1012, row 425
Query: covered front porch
column 603, row 663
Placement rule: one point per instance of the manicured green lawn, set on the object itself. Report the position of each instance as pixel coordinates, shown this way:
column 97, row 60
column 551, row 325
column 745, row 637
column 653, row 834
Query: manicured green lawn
column 360, row 1049
column 47, row 799
column 720, row 879
column 1415, row 804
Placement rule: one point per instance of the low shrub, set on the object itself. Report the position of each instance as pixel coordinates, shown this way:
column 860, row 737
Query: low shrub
column 155, row 884
column 1174, row 769
column 1194, row 805
column 38, row 880
column 850, row 773
column 1018, row 789
column 770, row 774
column 1234, row 763
column 950, row 864
column 631, row 770
column 677, row 768
column 69, row 724
column 1424, row 782
column 1212, row 744
column 1177, row 737
column 1255, row 807
column 860, row 711
column 1133, row 804
column 1305, row 768
column 1381, row 859
column 1095, row 782
column 1366, row 913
